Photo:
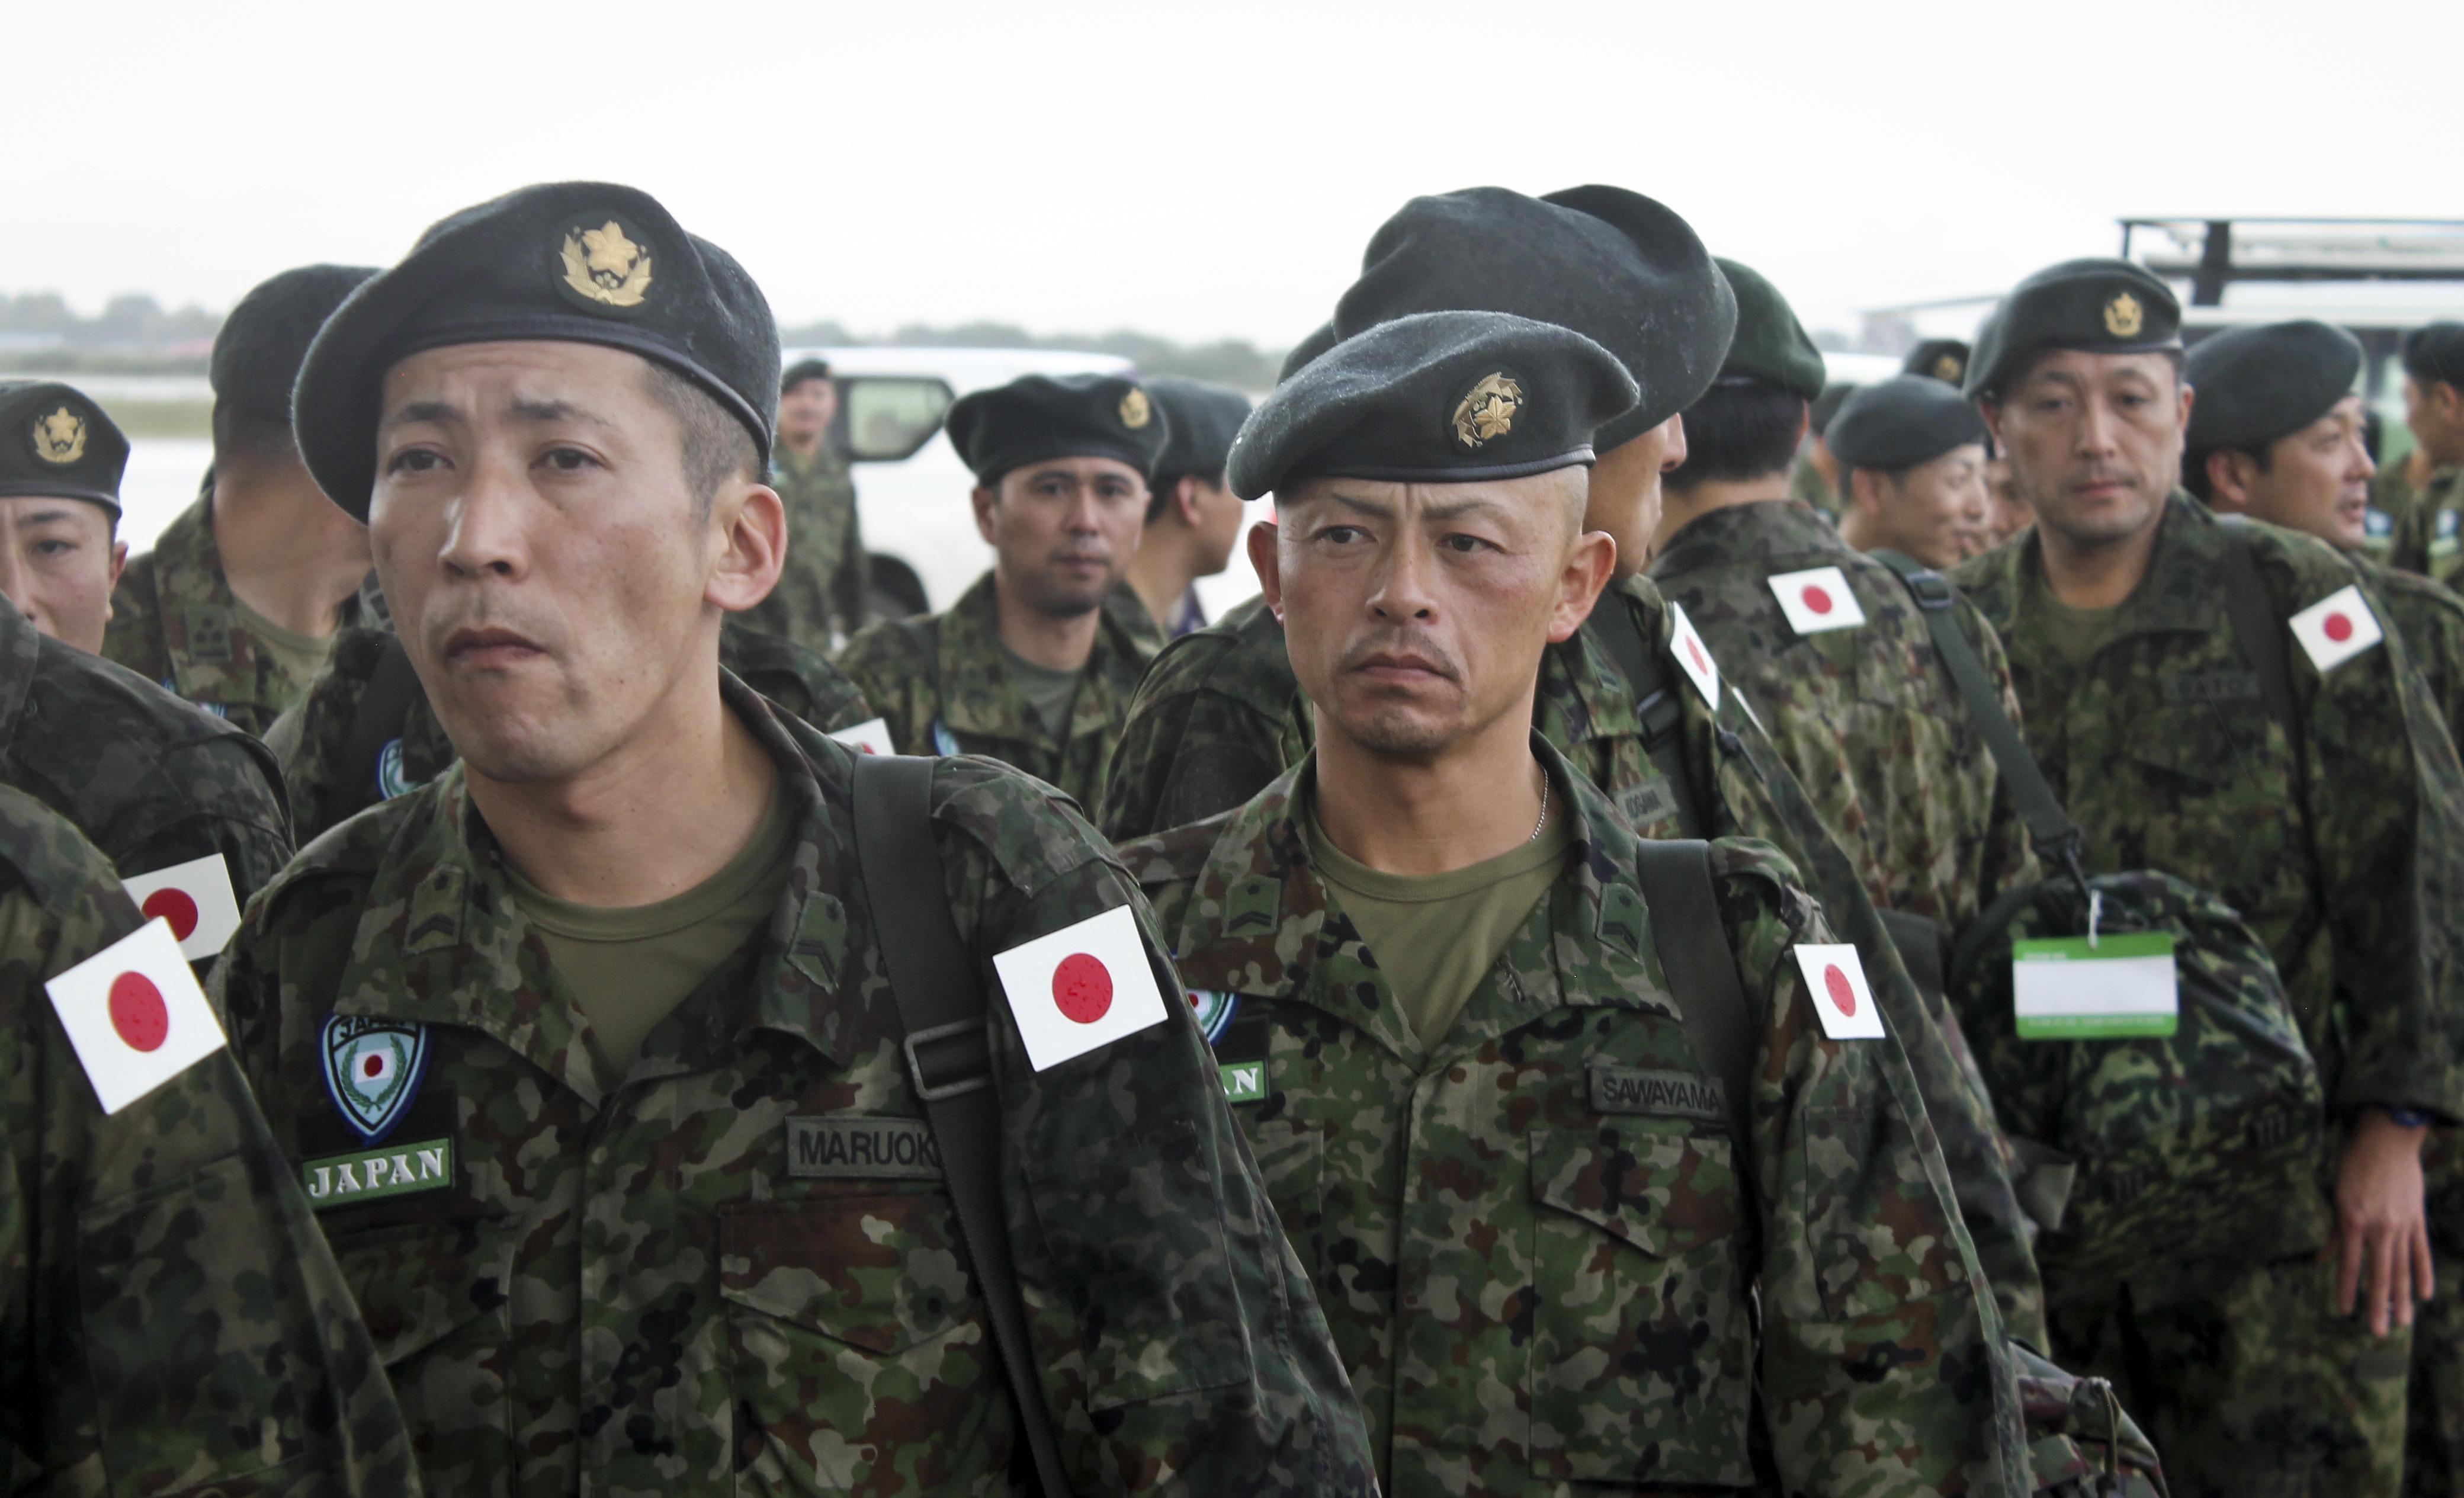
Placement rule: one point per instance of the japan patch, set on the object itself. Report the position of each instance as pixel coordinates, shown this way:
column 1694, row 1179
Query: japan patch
column 1693, row 656
column 135, row 1015
column 373, row 1068
column 2337, row 627
column 870, row 737
column 194, row 899
column 1841, row 996
column 1817, row 599
column 1081, row 987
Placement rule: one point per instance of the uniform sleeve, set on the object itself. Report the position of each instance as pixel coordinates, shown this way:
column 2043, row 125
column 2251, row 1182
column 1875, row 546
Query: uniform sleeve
column 1185, row 756
column 234, row 808
column 2006, row 858
column 1177, row 1339
column 886, row 670
column 1879, row 1370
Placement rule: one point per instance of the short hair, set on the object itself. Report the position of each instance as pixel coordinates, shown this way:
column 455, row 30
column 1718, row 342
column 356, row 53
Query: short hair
column 1741, row 427
column 2194, row 467
column 717, row 445
column 1160, row 487
column 802, row 370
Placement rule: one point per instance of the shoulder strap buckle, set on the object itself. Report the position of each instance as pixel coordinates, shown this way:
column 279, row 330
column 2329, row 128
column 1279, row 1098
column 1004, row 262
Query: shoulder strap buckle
column 1930, row 588
column 966, row 1048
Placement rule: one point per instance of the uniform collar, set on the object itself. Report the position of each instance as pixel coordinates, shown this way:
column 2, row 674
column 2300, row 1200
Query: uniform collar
column 2177, row 596
column 1583, row 696
column 189, row 572
column 1761, row 528
column 969, row 648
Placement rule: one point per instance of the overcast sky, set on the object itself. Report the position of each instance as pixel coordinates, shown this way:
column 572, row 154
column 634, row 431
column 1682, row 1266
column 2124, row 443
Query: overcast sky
column 1201, row 169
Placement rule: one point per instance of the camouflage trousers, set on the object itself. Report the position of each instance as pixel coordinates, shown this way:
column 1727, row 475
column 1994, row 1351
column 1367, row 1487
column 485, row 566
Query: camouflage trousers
column 2253, row 1388
column 2433, row 1447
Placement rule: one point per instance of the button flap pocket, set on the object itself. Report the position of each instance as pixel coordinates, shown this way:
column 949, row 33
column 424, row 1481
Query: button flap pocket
column 416, row 1283
column 881, row 1271
column 1661, row 1189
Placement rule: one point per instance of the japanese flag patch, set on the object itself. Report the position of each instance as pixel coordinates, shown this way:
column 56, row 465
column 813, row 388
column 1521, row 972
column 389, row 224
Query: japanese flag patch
column 194, row 899
column 1841, row 996
column 2337, row 627
column 870, row 737
column 1817, row 599
column 1080, row 987
column 135, row 1015
column 1693, row 656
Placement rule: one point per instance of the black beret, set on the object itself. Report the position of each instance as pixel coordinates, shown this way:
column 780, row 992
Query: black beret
column 1943, row 359
column 802, row 370
column 2257, row 383
column 585, row 262
column 2099, row 305
column 1904, row 421
column 2436, row 351
column 1320, row 338
column 1201, row 420
column 55, row 442
column 1035, row 418
column 1612, row 265
column 1771, row 344
column 1827, row 405
column 1439, row 397
column 259, row 347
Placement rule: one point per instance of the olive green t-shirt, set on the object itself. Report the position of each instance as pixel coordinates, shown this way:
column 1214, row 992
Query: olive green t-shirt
column 629, row 968
column 1436, row 935
column 1049, row 694
column 2076, row 634
column 302, row 656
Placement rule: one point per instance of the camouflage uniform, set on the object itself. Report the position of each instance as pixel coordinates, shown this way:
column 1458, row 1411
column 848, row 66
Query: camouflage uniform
column 822, row 590
column 939, row 683
column 170, row 1319
column 147, row 778
column 2349, row 871
column 312, row 740
column 1867, row 718
column 1218, row 717
column 1538, row 1292
column 1807, row 486
column 2391, row 503
column 2429, row 538
column 175, row 621
column 637, row 1284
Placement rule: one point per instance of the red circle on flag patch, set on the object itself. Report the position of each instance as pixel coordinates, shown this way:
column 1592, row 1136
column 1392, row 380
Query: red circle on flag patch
column 372, row 1066
column 1817, row 600
column 2338, row 628
column 1081, row 986
column 1694, row 649
column 172, row 905
column 1843, row 993
column 137, row 1013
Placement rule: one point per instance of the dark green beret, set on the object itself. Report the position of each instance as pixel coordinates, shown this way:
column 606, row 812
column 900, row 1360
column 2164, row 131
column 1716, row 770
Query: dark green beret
column 2257, row 383
column 258, row 349
column 1943, row 359
column 1036, row 418
column 1904, row 421
column 1824, row 406
column 1614, row 266
column 584, row 262
column 2099, row 305
column 802, row 370
column 1200, row 422
column 1771, row 344
column 57, row 443
column 1439, row 398
column 1320, row 338
column 2436, row 351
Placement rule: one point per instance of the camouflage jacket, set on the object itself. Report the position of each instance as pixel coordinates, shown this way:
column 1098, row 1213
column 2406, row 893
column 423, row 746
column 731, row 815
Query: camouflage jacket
column 738, row 1261
column 1537, row 1243
column 820, row 594
column 170, row 1319
column 145, row 777
column 2429, row 536
column 1866, row 716
column 2343, row 852
column 1806, row 485
column 312, row 740
column 938, row 681
column 1234, row 703
column 2431, row 619
column 175, row 621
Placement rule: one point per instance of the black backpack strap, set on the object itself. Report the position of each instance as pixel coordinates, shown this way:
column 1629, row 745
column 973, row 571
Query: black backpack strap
column 385, row 704
column 1693, row 944
column 1655, row 702
column 949, row 1055
column 2258, row 632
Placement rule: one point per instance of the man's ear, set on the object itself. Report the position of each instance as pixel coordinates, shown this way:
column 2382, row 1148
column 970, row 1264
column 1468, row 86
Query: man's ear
column 1263, row 557
column 2231, row 476
column 984, row 500
column 1588, row 571
column 750, row 523
column 1865, row 492
column 119, row 564
column 1991, row 412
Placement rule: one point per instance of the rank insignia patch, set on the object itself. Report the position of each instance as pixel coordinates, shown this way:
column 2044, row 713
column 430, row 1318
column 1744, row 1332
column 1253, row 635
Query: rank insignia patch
column 607, row 267
column 1488, row 411
column 1947, row 368
column 2124, row 316
column 60, row 438
column 1135, row 411
column 373, row 1068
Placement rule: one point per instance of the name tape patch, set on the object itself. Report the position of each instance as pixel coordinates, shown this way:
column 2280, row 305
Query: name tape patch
column 871, row 1149
column 1680, row 1094
column 374, row 1175
column 2213, row 686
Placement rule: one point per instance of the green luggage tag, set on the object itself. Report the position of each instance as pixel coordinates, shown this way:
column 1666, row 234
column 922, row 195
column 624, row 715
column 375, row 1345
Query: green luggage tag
column 2092, row 987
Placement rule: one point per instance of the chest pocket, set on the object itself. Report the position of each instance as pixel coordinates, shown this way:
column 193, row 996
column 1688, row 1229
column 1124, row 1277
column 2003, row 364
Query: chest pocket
column 847, row 1315
column 2222, row 773
column 436, row 1296
column 1641, row 1347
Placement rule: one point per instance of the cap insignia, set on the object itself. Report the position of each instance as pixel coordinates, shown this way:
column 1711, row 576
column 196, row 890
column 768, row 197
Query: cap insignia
column 1487, row 413
column 1135, row 411
column 606, row 266
column 1947, row 369
column 2124, row 316
column 60, row 438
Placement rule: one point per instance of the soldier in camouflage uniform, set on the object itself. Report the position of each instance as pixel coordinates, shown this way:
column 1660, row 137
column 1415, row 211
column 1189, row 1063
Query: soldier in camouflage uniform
column 1034, row 665
column 178, row 617
column 170, row 1319
column 1816, row 479
column 586, row 1049
column 2276, row 433
column 2336, row 836
column 1467, row 1081
column 61, row 465
column 820, row 599
column 314, row 740
column 2430, row 539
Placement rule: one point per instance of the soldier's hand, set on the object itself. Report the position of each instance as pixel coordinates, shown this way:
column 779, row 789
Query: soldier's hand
column 2382, row 1227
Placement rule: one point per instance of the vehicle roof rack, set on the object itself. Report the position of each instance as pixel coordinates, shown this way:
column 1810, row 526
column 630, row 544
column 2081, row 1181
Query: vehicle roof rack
column 2214, row 253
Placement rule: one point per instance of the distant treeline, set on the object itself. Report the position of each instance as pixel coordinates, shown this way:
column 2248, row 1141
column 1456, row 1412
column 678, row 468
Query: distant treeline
column 1231, row 362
